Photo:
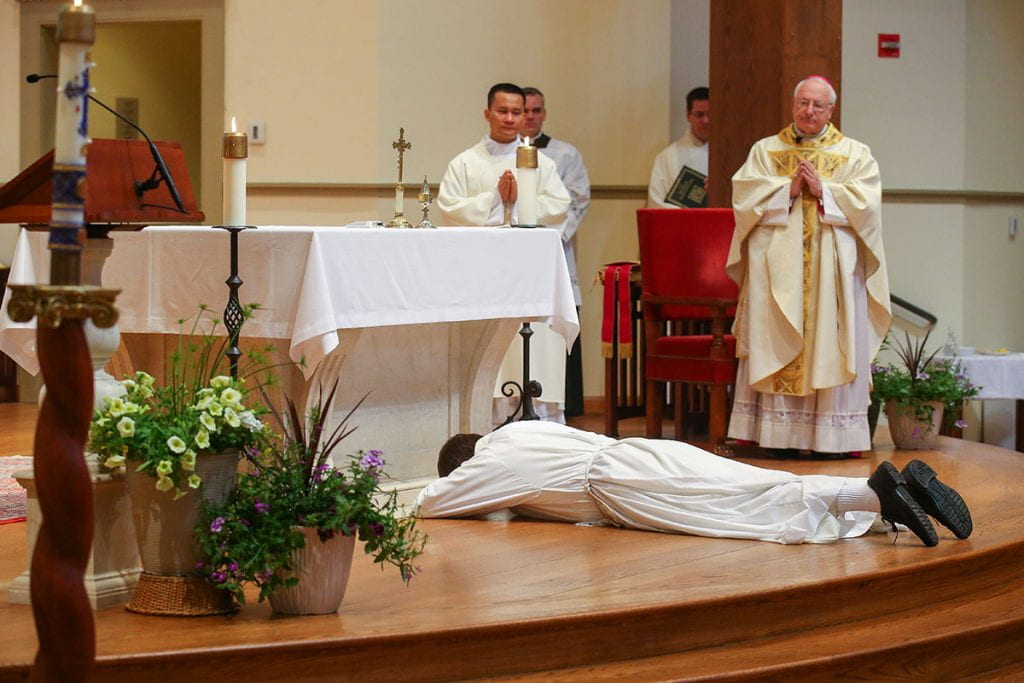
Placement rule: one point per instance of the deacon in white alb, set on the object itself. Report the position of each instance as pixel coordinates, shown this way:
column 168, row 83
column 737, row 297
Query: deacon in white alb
column 551, row 471
column 689, row 150
column 573, row 173
column 473, row 192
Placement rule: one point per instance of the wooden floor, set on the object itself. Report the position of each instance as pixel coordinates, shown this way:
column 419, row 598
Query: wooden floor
column 527, row 600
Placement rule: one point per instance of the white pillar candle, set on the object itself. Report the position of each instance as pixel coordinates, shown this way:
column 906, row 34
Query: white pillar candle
column 399, row 200
column 526, row 179
column 76, row 33
column 236, row 151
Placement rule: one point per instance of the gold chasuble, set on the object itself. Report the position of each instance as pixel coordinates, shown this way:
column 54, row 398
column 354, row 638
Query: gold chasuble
column 801, row 262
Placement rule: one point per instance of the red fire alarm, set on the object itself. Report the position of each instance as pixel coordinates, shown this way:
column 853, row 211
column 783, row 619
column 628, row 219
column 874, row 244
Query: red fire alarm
column 889, row 45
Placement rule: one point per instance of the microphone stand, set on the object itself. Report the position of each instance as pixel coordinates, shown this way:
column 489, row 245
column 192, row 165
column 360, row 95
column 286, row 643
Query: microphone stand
column 160, row 172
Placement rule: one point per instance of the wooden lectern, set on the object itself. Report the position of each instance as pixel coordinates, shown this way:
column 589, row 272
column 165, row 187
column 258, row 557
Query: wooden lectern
column 111, row 202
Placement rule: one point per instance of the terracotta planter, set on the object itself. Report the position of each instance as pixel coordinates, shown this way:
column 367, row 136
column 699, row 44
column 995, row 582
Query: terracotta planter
column 322, row 569
column 908, row 433
column 165, row 534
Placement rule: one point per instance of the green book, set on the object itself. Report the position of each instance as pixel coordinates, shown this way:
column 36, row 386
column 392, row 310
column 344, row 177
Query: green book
column 688, row 191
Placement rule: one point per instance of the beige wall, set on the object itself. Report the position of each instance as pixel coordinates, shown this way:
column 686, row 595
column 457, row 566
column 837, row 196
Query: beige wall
column 10, row 103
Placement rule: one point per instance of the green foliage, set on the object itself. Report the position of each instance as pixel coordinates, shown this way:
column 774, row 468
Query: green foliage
column 197, row 409
column 920, row 379
column 253, row 537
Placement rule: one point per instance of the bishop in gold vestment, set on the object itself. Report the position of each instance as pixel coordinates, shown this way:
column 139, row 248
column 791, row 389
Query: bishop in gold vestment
column 814, row 294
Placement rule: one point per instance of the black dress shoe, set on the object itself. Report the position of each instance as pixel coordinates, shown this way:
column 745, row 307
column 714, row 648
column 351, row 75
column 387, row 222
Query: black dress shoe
column 898, row 505
column 937, row 499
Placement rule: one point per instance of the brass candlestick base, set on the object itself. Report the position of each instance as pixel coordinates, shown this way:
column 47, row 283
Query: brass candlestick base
column 398, row 222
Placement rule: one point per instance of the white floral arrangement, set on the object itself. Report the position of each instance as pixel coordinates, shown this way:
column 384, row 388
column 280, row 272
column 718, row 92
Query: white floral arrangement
column 164, row 429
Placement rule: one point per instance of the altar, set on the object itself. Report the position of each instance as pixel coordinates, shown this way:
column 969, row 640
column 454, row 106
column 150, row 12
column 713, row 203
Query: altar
column 420, row 319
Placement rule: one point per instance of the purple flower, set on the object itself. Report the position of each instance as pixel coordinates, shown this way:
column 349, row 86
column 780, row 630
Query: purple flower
column 377, row 528
column 960, row 424
column 233, row 567
column 219, row 577
column 261, row 507
column 372, row 462
column 922, row 376
column 917, row 433
column 216, row 525
column 199, row 564
column 245, row 522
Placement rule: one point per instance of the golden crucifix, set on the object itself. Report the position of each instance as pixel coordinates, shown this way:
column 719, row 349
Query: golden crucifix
column 401, row 145
column 399, row 219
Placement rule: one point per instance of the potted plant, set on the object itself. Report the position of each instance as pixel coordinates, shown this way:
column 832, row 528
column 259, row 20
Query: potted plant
column 290, row 525
column 180, row 442
column 918, row 392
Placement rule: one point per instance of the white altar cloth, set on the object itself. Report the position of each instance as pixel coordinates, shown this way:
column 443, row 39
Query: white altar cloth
column 420, row 318
column 314, row 281
column 998, row 375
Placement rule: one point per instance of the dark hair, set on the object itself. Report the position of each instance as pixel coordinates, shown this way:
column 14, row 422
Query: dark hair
column 454, row 452
column 511, row 88
column 700, row 93
column 532, row 91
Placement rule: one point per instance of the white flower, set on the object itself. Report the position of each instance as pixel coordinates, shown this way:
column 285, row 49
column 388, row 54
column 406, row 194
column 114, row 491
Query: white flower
column 145, row 379
column 132, row 408
column 101, row 422
column 252, row 422
column 202, row 438
column 114, row 461
column 215, row 409
column 164, row 484
column 205, row 402
column 231, row 397
column 115, row 407
column 188, row 460
column 176, row 444
column 220, row 382
column 231, row 417
column 207, row 421
column 194, row 481
column 164, row 467
column 205, row 392
column 129, row 385
column 126, row 427
column 145, row 392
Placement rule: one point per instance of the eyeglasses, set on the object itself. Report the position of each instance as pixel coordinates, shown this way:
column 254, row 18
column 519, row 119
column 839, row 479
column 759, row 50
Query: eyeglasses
column 818, row 107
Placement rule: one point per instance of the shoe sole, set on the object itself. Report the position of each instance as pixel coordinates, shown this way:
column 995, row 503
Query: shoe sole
column 890, row 487
column 937, row 499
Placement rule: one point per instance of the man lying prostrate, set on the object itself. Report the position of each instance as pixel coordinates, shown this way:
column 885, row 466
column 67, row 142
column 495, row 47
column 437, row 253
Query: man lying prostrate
column 550, row 471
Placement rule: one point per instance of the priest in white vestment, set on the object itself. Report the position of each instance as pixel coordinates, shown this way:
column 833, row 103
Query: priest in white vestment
column 689, row 150
column 476, row 186
column 551, row 471
column 814, row 293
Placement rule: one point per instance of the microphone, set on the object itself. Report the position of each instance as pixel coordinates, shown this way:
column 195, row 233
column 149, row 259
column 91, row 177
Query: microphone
column 160, row 173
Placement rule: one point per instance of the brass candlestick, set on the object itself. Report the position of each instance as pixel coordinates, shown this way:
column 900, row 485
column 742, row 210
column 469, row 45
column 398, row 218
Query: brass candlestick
column 425, row 198
column 398, row 221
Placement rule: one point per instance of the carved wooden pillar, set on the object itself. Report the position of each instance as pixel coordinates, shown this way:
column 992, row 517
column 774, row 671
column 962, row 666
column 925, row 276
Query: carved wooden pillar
column 758, row 52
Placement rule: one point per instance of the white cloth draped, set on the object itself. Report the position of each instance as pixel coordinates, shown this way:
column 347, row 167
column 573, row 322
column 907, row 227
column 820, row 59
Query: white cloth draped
column 569, row 163
column 550, row 471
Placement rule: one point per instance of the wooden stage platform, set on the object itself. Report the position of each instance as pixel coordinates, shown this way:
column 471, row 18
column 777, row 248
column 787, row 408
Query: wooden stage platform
column 528, row 600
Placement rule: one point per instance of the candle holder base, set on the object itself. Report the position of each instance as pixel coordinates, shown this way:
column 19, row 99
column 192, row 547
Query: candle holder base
column 528, row 225
column 426, row 224
column 398, row 222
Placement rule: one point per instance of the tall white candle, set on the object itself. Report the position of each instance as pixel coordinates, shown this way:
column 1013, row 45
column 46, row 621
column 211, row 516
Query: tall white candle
column 236, row 151
column 526, row 179
column 399, row 200
column 76, row 33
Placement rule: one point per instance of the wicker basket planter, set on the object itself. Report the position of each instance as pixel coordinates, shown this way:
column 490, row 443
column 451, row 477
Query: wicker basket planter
column 165, row 533
column 909, row 433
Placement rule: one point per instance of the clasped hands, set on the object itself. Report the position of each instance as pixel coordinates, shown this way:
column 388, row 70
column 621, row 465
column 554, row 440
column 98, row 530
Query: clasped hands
column 508, row 190
column 805, row 174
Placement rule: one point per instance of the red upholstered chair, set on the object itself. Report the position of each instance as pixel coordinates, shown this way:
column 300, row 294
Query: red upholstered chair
column 682, row 256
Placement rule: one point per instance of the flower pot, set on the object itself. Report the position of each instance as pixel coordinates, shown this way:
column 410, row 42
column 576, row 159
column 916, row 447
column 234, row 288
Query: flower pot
column 165, row 534
column 322, row 569
column 909, row 433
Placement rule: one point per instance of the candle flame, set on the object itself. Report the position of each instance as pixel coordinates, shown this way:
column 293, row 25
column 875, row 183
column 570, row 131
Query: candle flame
column 78, row 3
column 234, row 128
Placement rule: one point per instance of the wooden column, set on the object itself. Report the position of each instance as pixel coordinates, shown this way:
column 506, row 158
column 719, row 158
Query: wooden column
column 758, row 52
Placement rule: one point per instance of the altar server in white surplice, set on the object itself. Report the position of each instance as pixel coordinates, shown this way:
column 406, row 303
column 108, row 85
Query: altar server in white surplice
column 473, row 192
column 552, row 471
column 814, row 294
column 689, row 150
